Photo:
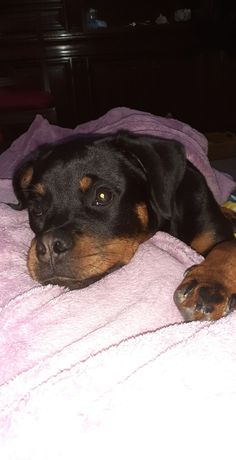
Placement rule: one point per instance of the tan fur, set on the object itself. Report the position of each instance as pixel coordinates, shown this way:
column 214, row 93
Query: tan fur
column 202, row 242
column 39, row 188
column 90, row 256
column 85, row 183
column 26, row 177
column 32, row 260
column 142, row 213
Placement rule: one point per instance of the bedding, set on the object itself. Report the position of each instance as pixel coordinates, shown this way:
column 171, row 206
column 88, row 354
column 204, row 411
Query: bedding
column 111, row 371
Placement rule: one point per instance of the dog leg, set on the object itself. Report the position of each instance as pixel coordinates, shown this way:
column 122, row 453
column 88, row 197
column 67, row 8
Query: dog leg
column 208, row 290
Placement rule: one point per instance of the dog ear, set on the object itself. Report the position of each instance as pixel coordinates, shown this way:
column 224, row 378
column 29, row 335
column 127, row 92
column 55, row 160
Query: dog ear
column 21, row 182
column 24, row 173
column 163, row 162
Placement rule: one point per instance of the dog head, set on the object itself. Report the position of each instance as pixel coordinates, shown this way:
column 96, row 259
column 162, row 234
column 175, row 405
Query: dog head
column 92, row 201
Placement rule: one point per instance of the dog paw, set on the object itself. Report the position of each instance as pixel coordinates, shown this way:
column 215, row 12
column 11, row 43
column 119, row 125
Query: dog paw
column 199, row 299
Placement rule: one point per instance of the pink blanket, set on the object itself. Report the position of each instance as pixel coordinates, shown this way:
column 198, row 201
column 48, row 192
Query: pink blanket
column 111, row 371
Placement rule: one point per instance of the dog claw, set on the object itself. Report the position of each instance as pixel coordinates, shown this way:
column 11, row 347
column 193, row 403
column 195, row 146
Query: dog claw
column 200, row 306
column 232, row 302
column 181, row 293
column 188, row 270
column 203, row 302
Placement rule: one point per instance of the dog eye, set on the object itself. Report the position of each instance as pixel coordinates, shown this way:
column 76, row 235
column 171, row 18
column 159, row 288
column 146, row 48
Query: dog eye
column 103, row 196
column 36, row 209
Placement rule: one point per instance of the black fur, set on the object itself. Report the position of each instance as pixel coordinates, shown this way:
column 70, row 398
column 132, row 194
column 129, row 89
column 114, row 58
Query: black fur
column 134, row 169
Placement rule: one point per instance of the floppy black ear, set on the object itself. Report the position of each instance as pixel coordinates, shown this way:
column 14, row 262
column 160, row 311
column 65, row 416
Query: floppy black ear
column 21, row 182
column 24, row 174
column 164, row 164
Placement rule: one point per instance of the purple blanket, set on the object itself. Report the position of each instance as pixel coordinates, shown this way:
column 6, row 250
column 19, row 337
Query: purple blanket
column 122, row 118
column 111, row 371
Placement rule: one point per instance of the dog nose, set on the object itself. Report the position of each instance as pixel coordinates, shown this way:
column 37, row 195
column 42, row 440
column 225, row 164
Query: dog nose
column 53, row 244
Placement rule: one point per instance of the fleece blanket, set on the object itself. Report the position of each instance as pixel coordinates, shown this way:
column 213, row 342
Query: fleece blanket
column 111, row 371
column 122, row 118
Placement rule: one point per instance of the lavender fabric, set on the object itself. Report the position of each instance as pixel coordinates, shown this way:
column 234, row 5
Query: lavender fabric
column 110, row 371
column 195, row 143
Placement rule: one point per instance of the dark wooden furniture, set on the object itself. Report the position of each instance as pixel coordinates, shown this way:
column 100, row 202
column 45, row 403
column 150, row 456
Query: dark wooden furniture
column 22, row 98
column 184, row 69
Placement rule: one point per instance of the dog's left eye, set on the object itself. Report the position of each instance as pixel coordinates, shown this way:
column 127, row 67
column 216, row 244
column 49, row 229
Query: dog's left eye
column 103, row 196
column 36, row 209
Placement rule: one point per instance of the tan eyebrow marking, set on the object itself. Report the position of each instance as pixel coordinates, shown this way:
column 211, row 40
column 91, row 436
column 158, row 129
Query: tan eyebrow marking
column 85, row 183
column 39, row 188
column 141, row 211
column 26, row 177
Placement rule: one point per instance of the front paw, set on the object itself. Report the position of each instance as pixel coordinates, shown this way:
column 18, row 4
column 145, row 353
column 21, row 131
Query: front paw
column 199, row 299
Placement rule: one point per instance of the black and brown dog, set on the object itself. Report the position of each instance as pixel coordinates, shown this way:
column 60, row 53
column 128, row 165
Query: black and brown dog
column 93, row 201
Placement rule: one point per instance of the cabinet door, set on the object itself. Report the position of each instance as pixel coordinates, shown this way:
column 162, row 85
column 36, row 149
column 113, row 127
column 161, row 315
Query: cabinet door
column 161, row 85
column 23, row 16
column 70, row 88
column 81, row 89
column 61, row 84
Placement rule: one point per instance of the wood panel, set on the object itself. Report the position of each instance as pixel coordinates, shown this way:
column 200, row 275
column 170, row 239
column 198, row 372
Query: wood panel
column 30, row 16
column 60, row 76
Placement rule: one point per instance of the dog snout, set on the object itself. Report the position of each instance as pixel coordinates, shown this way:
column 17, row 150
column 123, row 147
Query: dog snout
column 53, row 244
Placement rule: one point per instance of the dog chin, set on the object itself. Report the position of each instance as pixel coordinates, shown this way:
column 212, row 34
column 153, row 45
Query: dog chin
column 71, row 283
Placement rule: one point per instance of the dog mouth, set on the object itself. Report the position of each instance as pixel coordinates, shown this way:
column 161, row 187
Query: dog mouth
column 63, row 281
column 72, row 283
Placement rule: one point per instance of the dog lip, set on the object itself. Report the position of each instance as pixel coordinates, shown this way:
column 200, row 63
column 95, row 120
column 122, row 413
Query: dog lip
column 72, row 283
column 60, row 280
column 67, row 282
